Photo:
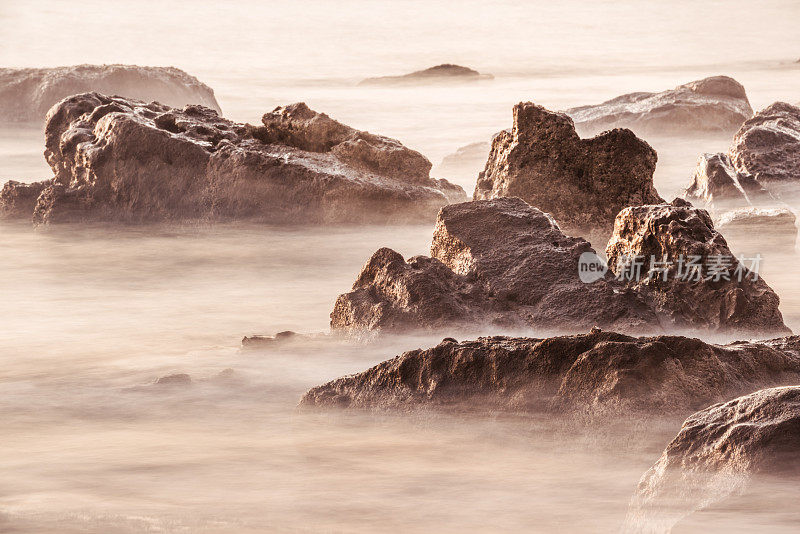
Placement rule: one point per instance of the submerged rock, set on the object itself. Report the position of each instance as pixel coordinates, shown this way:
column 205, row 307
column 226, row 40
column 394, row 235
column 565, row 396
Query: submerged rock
column 689, row 275
column 18, row 199
column 715, row 104
column 723, row 453
column 178, row 379
column 495, row 263
column 775, row 227
column 440, row 73
column 767, row 146
column 716, row 183
column 118, row 159
column 597, row 374
column 582, row 183
column 27, row 94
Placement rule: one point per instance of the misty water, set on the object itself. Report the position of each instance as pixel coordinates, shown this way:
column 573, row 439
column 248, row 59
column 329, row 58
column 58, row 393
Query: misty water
column 91, row 316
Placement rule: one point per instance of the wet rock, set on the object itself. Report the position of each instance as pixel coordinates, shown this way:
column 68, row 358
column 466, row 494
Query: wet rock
column 723, row 453
column 720, row 294
column 498, row 263
column 598, row 374
column 767, row 146
column 249, row 342
column 775, row 227
column 440, row 73
column 716, row 183
column 18, row 199
column 715, row 104
column 27, row 94
column 582, row 183
column 118, row 159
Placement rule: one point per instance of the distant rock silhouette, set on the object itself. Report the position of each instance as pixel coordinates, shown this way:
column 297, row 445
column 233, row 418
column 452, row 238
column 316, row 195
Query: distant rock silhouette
column 440, row 73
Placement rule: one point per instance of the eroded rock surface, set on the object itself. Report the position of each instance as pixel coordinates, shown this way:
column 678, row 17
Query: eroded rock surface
column 598, row 374
column 118, row 159
column 723, row 453
column 715, row 104
column 440, row 73
column 582, row 183
column 27, row 94
column 716, row 183
column 767, row 146
column 495, row 263
column 18, row 199
column 722, row 295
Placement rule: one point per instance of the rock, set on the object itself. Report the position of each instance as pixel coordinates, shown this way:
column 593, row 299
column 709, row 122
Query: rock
column 18, row 199
column 178, row 379
column 467, row 161
column 728, row 298
column 720, row 454
column 767, row 146
column 27, row 94
column 600, row 374
column 775, row 227
column 440, row 73
column 715, row 104
column 268, row 341
column 582, row 183
column 715, row 182
column 495, row 263
column 118, row 159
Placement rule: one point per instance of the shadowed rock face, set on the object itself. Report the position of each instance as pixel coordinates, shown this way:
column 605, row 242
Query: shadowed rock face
column 118, row 159
column 440, row 73
column 716, row 104
column 767, row 146
column 722, row 453
column 715, row 182
column 582, row 183
column 495, row 262
column 27, row 94
column 597, row 374
column 705, row 302
column 18, row 199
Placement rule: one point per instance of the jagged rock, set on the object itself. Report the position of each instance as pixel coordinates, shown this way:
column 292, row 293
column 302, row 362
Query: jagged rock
column 495, row 262
column 719, row 455
column 27, row 94
column 767, row 146
column 775, row 227
column 280, row 338
column 598, row 374
column 582, row 183
column 715, row 104
column 716, row 182
column 705, row 299
column 124, row 160
column 440, row 73
column 18, row 199
column 467, row 161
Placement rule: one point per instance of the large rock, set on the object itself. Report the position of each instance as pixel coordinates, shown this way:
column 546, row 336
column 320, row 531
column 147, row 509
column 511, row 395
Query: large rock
column 438, row 74
column 717, row 184
column 124, row 160
column 774, row 228
column 495, row 263
column 27, row 94
column 724, row 453
column 721, row 295
column 716, row 104
column 582, row 183
column 597, row 374
column 767, row 146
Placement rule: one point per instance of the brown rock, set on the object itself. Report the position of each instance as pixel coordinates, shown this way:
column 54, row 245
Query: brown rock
column 716, row 183
column 767, row 146
column 123, row 160
column 582, row 183
column 715, row 299
column 715, row 104
column 18, row 199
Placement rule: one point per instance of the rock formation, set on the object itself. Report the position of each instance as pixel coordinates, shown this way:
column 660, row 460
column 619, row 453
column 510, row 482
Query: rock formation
column 598, row 374
column 767, row 146
column 716, row 183
column 119, row 159
column 465, row 162
column 716, row 104
column 720, row 294
column 18, row 199
column 27, row 94
column 438, row 74
column 720, row 453
column 776, row 228
column 494, row 263
column 582, row 183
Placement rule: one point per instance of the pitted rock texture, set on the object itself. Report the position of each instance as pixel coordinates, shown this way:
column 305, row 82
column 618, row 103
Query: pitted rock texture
column 717, row 104
column 767, row 146
column 723, row 453
column 599, row 374
column 716, row 183
column 117, row 159
column 27, row 94
column 446, row 72
column 18, row 199
column 712, row 298
column 582, row 183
